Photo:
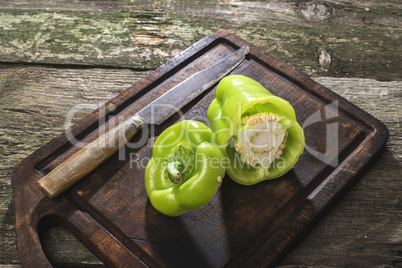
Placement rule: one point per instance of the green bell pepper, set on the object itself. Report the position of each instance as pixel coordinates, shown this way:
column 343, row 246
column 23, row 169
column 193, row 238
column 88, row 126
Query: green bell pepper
column 256, row 130
column 185, row 170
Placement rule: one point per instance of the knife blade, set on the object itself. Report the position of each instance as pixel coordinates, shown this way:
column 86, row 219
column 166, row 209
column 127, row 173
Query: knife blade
column 96, row 152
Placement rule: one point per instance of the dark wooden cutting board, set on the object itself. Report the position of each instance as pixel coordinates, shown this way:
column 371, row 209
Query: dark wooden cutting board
column 247, row 226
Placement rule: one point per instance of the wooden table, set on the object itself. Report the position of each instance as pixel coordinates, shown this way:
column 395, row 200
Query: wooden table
column 55, row 55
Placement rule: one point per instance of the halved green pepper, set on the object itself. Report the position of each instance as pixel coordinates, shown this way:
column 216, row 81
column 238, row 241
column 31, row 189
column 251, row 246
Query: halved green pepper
column 185, row 170
column 256, row 130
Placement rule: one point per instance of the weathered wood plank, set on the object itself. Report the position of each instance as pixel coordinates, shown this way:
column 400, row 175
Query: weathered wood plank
column 337, row 38
column 364, row 229
column 370, row 214
column 34, row 103
column 34, row 107
column 331, row 38
column 87, row 5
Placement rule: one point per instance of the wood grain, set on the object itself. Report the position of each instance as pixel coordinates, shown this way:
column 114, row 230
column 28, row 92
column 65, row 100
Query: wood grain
column 360, row 39
column 139, row 234
column 369, row 214
column 34, row 108
column 357, row 38
column 91, row 156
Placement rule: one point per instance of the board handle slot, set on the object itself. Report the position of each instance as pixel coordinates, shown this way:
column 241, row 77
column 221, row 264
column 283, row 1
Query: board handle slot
column 30, row 246
column 54, row 237
column 93, row 236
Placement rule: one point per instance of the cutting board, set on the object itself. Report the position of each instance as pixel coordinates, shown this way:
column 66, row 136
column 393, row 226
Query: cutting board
column 242, row 226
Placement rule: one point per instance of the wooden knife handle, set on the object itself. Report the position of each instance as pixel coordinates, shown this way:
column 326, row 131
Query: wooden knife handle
column 89, row 157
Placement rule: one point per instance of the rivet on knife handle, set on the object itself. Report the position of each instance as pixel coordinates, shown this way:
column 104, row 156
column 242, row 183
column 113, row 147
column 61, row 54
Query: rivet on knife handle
column 89, row 157
column 95, row 153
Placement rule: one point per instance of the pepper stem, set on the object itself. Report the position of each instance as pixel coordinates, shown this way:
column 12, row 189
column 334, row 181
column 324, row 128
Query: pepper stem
column 173, row 172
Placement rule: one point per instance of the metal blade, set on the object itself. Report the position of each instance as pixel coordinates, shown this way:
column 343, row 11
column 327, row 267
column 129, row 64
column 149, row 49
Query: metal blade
column 177, row 97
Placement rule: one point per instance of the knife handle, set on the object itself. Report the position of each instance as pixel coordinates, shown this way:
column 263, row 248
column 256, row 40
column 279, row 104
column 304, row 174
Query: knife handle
column 89, row 157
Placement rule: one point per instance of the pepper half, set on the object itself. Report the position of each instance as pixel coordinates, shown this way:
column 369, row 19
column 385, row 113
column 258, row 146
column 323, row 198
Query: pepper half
column 185, row 170
column 256, row 130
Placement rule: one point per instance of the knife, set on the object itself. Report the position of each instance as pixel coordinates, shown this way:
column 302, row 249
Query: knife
column 95, row 153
